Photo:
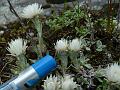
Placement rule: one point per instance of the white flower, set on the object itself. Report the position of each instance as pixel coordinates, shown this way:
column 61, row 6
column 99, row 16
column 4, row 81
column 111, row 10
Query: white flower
column 68, row 83
column 17, row 46
column 113, row 73
column 58, row 83
column 32, row 10
column 51, row 83
column 61, row 45
column 75, row 45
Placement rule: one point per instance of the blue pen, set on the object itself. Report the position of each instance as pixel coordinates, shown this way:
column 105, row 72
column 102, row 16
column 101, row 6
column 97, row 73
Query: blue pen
column 31, row 75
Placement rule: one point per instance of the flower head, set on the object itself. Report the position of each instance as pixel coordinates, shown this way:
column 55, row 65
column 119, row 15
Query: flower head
column 75, row 45
column 51, row 83
column 68, row 83
column 32, row 10
column 60, row 83
column 17, row 46
column 113, row 73
column 61, row 45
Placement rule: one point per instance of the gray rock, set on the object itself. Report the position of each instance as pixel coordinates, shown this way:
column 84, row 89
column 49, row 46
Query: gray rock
column 6, row 16
column 97, row 4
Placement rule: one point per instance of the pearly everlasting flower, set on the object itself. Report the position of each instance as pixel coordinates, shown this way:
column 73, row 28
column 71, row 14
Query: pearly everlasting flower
column 17, row 46
column 32, row 10
column 61, row 45
column 75, row 45
column 51, row 83
column 113, row 73
column 68, row 83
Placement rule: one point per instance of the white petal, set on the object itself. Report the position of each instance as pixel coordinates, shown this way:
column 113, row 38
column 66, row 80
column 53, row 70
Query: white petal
column 17, row 46
column 32, row 10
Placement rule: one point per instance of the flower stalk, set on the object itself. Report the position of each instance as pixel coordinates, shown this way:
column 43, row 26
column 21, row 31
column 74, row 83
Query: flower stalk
column 22, row 62
column 73, row 56
column 63, row 56
column 38, row 27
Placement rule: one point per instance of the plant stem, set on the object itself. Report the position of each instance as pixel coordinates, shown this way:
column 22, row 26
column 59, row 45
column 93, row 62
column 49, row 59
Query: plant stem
column 110, row 18
column 38, row 26
column 64, row 60
column 22, row 62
